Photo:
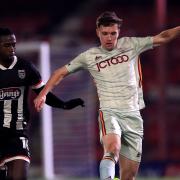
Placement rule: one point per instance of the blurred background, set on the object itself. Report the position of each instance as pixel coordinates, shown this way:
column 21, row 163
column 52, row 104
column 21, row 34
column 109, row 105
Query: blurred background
column 69, row 28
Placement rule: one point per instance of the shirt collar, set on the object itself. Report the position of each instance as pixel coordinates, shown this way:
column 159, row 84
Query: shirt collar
column 11, row 66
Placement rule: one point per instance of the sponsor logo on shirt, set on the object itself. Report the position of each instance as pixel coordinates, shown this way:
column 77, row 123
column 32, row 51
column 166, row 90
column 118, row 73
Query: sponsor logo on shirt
column 9, row 94
column 112, row 61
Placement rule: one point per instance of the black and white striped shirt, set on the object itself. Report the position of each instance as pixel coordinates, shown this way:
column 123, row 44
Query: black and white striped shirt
column 15, row 82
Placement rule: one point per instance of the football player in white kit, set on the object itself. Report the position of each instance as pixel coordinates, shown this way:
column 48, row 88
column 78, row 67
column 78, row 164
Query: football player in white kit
column 113, row 66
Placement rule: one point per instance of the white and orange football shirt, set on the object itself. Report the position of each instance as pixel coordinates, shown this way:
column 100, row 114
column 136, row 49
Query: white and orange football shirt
column 115, row 72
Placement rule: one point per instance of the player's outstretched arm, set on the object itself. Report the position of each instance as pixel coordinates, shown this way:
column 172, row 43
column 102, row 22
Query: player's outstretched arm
column 54, row 101
column 54, row 80
column 166, row 36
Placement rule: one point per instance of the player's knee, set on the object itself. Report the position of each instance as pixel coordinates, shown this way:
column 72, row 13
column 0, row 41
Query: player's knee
column 114, row 149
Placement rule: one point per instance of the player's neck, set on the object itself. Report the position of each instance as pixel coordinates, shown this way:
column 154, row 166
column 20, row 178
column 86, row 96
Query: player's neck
column 6, row 62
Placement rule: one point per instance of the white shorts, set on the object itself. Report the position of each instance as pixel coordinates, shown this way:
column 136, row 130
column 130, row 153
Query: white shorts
column 129, row 127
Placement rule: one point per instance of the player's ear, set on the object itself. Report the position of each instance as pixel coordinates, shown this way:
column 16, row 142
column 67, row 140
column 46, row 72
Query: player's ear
column 97, row 32
column 119, row 32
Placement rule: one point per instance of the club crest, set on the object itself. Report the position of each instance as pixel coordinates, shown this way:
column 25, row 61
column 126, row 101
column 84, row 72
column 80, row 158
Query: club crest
column 21, row 74
column 98, row 58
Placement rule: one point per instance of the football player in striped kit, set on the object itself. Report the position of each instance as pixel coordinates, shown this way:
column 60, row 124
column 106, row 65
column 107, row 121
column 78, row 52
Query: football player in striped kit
column 113, row 66
column 16, row 77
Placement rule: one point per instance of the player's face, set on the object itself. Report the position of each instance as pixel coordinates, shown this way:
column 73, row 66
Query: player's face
column 108, row 36
column 7, row 46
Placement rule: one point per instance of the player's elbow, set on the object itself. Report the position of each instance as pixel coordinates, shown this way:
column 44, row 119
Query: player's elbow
column 158, row 40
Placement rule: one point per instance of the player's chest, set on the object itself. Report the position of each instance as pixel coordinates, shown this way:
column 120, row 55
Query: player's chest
column 13, row 77
column 105, row 65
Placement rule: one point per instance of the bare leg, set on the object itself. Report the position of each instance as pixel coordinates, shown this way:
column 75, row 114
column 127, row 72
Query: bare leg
column 17, row 170
column 128, row 168
column 111, row 143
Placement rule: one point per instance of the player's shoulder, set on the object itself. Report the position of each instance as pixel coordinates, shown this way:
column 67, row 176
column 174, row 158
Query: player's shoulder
column 126, row 39
column 24, row 63
column 21, row 60
column 93, row 50
column 126, row 42
column 132, row 39
column 89, row 52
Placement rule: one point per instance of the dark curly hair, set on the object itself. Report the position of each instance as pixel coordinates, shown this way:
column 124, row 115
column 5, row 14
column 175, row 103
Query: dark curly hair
column 5, row 32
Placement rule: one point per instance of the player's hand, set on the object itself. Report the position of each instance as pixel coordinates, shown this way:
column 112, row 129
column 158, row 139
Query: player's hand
column 73, row 103
column 39, row 102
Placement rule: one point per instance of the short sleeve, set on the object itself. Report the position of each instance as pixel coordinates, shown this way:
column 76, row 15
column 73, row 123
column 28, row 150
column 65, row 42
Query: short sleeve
column 34, row 77
column 142, row 44
column 76, row 64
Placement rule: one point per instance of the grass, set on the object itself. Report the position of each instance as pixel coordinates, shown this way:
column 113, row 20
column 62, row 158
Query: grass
column 165, row 178
column 142, row 178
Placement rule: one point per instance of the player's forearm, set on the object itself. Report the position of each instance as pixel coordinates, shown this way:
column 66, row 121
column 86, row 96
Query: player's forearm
column 54, row 80
column 170, row 34
column 57, row 76
column 166, row 36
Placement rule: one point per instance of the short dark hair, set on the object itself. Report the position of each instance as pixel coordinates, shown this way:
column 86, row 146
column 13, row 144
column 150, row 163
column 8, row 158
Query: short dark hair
column 5, row 32
column 107, row 18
